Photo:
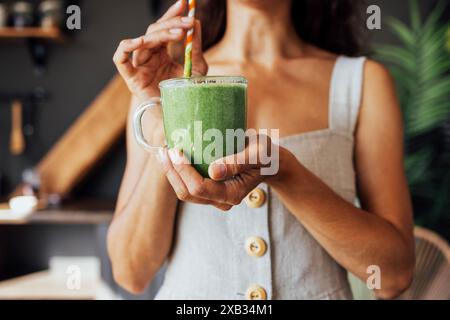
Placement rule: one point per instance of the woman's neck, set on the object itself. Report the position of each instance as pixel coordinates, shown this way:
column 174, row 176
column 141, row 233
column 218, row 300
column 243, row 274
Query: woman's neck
column 260, row 31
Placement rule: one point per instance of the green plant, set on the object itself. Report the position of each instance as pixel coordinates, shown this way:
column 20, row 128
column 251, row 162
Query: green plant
column 421, row 68
column 448, row 40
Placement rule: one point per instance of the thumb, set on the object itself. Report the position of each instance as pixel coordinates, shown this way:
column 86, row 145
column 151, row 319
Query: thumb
column 199, row 65
column 252, row 157
column 230, row 166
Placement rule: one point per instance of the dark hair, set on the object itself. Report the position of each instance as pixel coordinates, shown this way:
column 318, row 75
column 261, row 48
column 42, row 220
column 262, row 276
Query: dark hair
column 334, row 25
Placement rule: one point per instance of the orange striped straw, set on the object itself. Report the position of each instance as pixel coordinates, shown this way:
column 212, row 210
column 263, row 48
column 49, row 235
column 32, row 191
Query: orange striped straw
column 189, row 39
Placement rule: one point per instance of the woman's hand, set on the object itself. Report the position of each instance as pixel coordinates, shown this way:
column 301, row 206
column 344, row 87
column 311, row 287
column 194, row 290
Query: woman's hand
column 233, row 177
column 143, row 62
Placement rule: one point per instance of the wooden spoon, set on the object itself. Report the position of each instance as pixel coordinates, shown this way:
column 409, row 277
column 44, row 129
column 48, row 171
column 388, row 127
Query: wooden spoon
column 17, row 142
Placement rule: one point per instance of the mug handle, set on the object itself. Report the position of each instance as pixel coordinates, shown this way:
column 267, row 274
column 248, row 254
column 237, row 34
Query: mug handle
column 137, row 125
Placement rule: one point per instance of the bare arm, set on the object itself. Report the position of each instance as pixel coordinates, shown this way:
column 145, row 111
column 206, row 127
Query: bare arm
column 140, row 236
column 380, row 233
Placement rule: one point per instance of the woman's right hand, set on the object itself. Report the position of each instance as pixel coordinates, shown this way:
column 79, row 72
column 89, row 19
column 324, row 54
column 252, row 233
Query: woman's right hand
column 143, row 62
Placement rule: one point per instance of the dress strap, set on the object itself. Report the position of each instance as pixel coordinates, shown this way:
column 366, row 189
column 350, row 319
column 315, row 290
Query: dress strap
column 345, row 93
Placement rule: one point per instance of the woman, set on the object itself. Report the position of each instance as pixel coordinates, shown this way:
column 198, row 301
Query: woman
column 297, row 232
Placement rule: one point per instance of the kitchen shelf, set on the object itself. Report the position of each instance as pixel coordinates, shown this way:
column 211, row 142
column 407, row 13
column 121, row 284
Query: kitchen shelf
column 53, row 34
column 79, row 212
column 38, row 40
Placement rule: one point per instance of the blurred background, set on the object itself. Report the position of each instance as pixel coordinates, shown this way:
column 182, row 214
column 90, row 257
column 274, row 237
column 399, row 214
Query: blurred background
column 62, row 116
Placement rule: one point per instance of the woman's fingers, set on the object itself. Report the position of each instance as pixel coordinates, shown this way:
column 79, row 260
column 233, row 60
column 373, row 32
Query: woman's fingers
column 228, row 167
column 183, row 194
column 154, row 40
column 204, row 188
column 162, row 37
column 142, row 56
column 180, row 187
column 175, row 10
column 121, row 57
column 255, row 155
column 197, row 185
column 235, row 164
column 191, row 186
column 175, row 22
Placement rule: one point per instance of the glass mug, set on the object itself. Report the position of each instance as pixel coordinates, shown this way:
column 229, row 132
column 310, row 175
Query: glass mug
column 205, row 117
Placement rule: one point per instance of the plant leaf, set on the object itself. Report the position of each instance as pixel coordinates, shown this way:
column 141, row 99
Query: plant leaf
column 402, row 32
column 434, row 16
column 398, row 56
column 415, row 15
column 436, row 68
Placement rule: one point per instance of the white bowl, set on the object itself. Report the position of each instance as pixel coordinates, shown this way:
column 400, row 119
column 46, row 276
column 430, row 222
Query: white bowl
column 23, row 204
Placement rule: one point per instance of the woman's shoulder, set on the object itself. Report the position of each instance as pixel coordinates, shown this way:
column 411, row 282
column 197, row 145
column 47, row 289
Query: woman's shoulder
column 379, row 103
column 372, row 68
column 378, row 85
column 376, row 73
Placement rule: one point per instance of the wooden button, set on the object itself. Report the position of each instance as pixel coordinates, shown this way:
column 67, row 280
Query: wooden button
column 255, row 292
column 256, row 198
column 255, row 246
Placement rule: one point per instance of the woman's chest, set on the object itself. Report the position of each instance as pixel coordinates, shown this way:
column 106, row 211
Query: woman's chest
column 290, row 107
column 279, row 101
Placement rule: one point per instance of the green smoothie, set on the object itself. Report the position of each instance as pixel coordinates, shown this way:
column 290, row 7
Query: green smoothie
column 198, row 114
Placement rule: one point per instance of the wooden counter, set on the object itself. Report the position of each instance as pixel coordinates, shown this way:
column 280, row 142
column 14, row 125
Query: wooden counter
column 74, row 212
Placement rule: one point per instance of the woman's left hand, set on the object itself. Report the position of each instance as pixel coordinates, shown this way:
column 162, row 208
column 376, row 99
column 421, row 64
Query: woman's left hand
column 232, row 177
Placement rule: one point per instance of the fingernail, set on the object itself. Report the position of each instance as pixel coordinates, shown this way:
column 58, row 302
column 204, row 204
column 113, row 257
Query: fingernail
column 176, row 30
column 175, row 156
column 161, row 156
column 178, row 3
column 219, row 171
column 187, row 19
column 172, row 155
